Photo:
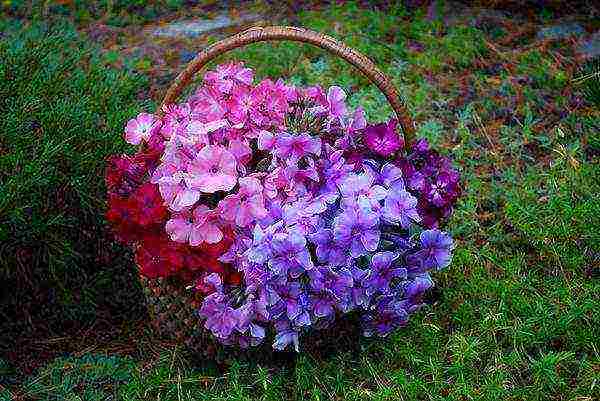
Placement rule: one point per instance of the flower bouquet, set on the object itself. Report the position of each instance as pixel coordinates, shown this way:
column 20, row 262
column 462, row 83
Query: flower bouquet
column 277, row 208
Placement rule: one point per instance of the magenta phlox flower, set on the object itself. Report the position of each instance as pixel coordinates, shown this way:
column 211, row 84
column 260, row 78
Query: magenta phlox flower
column 383, row 139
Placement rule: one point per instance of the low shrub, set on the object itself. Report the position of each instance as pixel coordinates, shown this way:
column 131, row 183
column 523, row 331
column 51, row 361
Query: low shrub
column 61, row 109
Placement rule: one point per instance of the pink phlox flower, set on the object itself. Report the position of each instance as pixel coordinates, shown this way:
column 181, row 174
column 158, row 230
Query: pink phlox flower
column 266, row 140
column 316, row 95
column 242, row 152
column 176, row 119
column 245, row 206
column 213, row 169
column 195, row 228
column 207, row 105
column 226, row 76
column 141, row 128
column 244, row 106
column 175, row 193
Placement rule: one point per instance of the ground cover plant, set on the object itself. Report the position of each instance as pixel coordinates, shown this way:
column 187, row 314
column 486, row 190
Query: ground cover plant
column 516, row 316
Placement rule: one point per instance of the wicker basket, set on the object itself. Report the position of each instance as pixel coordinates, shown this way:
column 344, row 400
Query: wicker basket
column 171, row 306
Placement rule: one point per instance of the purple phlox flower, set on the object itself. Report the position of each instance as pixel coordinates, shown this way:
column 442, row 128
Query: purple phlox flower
column 261, row 249
column 323, row 303
column 391, row 176
column 357, row 228
column 327, row 250
column 335, row 171
column 291, row 148
column 360, row 189
column 294, row 301
column 285, row 335
column 252, row 333
column 358, row 292
column 340, row 282
column 414, row 291
column 401, row 207
column 335, row 101
column 221, row 319
column 435, row 253
column 266, row 140
column 290, row 254
column 303, row 215
column 386, row 316
column 383, row 272
column 383, row 139
column 235, row 253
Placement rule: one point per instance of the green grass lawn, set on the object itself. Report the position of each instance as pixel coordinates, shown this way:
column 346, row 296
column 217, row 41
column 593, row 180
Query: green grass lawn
column 517, row 315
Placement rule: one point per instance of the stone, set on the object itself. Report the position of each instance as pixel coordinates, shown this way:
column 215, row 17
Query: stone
column 590, row 47
column 198, row 27
column 561, row 31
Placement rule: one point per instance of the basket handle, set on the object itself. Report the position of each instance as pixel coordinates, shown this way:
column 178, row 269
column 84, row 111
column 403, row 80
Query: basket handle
column 261, row 34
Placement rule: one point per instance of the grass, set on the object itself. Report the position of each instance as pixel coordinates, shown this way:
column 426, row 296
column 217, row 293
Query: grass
column 517, row 317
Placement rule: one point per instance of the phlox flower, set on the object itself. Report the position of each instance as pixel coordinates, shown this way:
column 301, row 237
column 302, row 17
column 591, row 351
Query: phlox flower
column 290, row 254
column 436, row 252
column 245, row 206
column 401, row 207
column 335, row 101
column 226, row 76
column 213, row 169
column 195, row 227
column 360, row 189
column 176, row 119
column 383, row 139
column 357, row 228
column 291, row 148
column 382, row 272
column 141, row 128
column 206, row 104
